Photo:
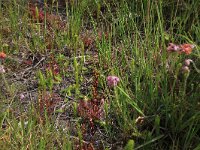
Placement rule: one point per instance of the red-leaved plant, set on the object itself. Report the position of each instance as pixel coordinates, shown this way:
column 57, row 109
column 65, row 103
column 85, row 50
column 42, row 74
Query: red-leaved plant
column 47, row 102
column 92, row 110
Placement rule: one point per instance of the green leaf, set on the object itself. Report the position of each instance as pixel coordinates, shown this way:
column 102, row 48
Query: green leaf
column 130, row 145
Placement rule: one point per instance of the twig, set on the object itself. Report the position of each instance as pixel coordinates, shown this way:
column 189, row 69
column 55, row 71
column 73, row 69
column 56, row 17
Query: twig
column 32, row 67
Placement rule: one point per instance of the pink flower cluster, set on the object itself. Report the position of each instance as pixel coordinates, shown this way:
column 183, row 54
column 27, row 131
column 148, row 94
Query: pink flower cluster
column 112, row 81
column 182, row 48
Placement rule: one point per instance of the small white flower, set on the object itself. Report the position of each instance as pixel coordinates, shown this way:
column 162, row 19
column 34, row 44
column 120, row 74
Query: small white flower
column 2, row 70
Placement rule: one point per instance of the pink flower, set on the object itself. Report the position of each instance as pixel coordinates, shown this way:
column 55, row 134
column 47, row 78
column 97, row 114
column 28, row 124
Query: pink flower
column 187, row 48
column 185, row 69
column 182, row 48
column 112, row 81
column 21, row 96
column 187, row 62
column 173, row 47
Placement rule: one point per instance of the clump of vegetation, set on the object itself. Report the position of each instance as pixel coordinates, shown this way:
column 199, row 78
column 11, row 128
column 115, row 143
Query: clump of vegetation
column 99, row 74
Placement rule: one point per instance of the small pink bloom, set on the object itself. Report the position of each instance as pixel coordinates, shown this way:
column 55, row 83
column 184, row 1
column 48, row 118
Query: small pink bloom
column 185, row 69
column 173, row 47
column 112, row 81
column 21, row 96
column 187, row 62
